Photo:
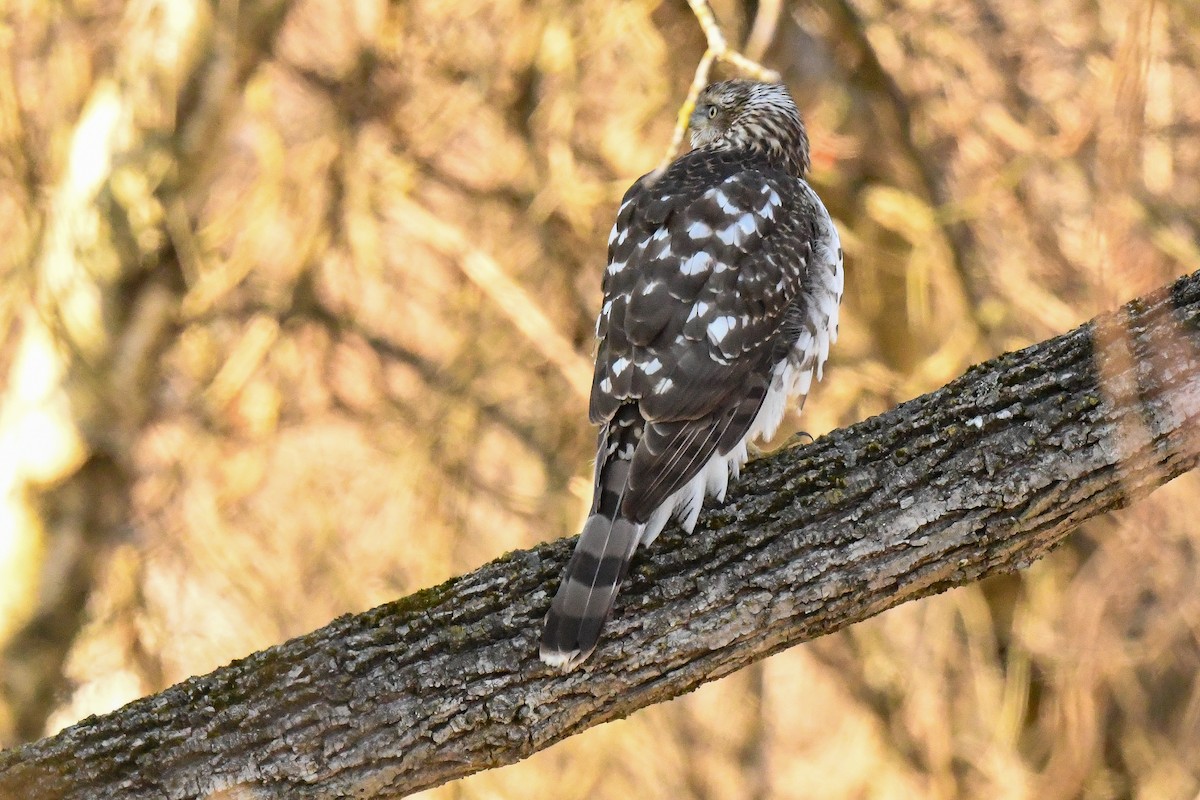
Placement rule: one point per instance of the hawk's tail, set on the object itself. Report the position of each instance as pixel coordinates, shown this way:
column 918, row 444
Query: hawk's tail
column 588, row 590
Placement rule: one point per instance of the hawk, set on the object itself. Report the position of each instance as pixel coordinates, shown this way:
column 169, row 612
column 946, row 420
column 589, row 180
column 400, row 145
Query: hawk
column 720, row 302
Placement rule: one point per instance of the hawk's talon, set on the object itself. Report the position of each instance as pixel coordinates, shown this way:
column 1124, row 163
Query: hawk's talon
column 797, row 439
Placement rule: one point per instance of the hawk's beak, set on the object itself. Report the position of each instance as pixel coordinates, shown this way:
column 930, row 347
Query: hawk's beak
column 697, row 118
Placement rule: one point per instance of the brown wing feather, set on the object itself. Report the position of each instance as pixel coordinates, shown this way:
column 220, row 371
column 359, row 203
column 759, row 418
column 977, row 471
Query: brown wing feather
column 705, row 265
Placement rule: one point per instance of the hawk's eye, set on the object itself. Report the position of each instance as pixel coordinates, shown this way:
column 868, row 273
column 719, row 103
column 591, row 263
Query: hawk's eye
column 712, row 111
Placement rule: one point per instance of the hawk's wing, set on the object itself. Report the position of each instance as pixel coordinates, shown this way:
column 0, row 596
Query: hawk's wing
column 706, row 266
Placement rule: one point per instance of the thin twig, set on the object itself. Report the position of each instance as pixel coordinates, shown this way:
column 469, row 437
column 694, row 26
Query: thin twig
column 762, row 32
column 718, row 50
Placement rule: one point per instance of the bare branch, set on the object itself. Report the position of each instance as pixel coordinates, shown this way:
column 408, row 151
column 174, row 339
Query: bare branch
column 718, row 50
column 981, row 477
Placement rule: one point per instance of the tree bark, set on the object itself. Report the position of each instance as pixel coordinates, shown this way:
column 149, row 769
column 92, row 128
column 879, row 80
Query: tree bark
column 981, row 477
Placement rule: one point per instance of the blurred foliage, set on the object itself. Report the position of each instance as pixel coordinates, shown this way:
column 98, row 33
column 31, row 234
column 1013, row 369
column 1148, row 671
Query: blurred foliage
column 297, row 297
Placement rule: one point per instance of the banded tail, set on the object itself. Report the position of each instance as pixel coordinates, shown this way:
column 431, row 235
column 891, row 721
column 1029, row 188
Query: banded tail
column 606, row 546
column 588, row 590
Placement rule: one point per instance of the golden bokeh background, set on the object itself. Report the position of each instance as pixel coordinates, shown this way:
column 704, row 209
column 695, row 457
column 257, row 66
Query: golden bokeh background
column 297, row 302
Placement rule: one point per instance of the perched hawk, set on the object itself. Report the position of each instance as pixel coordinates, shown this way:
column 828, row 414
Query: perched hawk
column 720, row 302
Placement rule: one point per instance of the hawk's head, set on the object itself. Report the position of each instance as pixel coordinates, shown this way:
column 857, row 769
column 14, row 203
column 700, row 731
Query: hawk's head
column 748, row 115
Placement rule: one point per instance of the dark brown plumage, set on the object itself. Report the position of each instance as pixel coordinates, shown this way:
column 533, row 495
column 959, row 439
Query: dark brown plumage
column 720, row 301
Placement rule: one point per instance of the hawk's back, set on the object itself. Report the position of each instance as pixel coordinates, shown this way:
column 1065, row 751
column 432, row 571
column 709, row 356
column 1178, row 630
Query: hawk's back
column 720, row 302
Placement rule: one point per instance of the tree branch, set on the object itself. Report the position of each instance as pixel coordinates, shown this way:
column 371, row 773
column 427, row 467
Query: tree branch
column 980, row 477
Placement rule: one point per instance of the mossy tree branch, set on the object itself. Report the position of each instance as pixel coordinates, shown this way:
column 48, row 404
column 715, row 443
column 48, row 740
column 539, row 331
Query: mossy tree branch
column 980, row 477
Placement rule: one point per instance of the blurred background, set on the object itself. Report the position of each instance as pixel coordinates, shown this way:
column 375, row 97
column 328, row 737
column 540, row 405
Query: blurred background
column 296, row 306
